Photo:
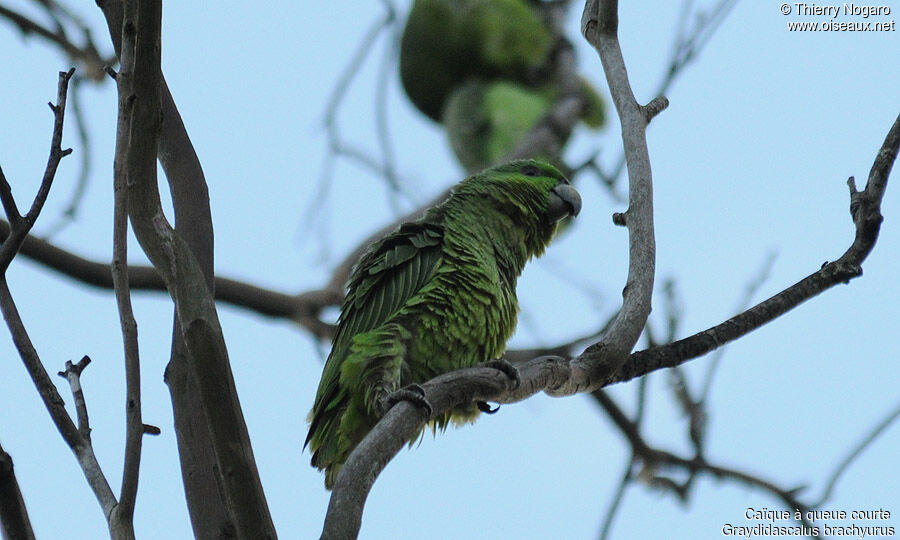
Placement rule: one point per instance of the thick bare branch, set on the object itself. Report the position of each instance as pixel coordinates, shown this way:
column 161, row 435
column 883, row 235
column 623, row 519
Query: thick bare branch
column 615, row 502
column 599, row 24
column 136, row 153
column 193, row 220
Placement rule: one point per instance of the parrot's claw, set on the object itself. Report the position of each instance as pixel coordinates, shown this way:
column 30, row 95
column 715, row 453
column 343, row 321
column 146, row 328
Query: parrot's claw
column 413, row 393
column 507, row 368
column 510, row 371
column 484, row 407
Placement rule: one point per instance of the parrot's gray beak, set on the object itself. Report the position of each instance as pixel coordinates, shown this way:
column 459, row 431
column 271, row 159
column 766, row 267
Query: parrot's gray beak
column 564, row 201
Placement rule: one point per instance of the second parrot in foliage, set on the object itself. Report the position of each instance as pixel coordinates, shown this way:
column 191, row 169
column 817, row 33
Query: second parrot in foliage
column 436, row 295
column 486, row 121
column 485, row 70
column 448, row 42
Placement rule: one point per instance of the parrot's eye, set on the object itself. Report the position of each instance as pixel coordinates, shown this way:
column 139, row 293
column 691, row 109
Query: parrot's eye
column 530, row 170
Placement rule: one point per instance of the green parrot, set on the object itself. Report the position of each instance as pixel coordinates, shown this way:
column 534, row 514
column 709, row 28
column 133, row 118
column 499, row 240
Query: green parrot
column 485, row 121
column 483, row 69
column 436, row 295
column 447, row 42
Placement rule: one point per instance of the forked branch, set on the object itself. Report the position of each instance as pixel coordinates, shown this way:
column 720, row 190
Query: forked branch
column 554, row 375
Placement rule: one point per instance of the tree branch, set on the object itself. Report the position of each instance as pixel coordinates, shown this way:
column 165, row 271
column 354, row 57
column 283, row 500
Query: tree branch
column 851, row 456
column 72, row 375
column 404, row 421
column 87, row 54
column 303, row 308
column 652, row 459
column 14, row 522
column 865, row 209
column 190, row 199
column 599, row 24
column 21, row 225
column 123, row 515
column 78, row 438
column 136, row 152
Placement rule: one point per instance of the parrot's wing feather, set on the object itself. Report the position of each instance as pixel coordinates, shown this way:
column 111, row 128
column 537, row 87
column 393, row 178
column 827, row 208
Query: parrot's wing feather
column 388, row 275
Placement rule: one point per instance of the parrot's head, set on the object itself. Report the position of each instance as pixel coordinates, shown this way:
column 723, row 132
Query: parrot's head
column 533, row 194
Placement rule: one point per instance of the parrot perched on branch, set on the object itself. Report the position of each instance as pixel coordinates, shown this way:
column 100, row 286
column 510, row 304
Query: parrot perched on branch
column 436, row 295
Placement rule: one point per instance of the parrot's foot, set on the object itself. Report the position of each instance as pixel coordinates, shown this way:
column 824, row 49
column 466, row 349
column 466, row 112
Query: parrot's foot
column 413, row 393
column 510, row 371
column 507, row 368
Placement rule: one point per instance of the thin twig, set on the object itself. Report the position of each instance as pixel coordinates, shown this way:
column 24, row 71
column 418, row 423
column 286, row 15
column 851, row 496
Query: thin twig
column 54, row 402
column 382, row 126
column 70, row 212
column 340, row 148
column 616, row 500
column 686, row 48
column 653, row 458
column 72, row 375
column 750, row 291
column 77, row 437
column 86, row 55
column 21, row 225
column 854, row 453
column 134, row 426
column 336, row 144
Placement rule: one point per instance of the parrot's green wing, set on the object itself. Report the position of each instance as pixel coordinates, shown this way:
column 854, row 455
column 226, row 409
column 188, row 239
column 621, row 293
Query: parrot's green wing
column 387, row 276
column 392, row 272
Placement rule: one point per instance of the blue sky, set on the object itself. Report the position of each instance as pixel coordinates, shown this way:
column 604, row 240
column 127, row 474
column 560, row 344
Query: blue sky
column 751, row 158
